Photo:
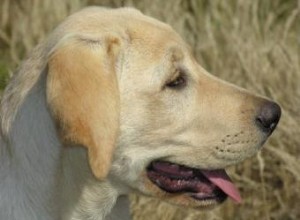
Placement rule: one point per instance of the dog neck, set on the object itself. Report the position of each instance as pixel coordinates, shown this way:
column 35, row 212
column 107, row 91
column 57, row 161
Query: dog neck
column 42, row 178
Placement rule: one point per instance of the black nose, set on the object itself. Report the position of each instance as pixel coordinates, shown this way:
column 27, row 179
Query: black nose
column 268, row 117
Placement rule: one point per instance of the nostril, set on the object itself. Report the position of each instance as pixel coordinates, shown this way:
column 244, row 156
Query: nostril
column 268, row 117
column 265, row 125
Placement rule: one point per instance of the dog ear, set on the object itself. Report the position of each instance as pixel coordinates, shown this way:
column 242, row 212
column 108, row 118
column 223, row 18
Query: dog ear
column 83, row 96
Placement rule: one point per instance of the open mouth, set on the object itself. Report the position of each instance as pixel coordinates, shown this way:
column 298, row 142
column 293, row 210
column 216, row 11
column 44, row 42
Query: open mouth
column 204, row 185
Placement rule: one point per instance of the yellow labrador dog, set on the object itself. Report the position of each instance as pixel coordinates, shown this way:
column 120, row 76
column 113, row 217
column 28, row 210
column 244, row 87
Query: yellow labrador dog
column 114, row 102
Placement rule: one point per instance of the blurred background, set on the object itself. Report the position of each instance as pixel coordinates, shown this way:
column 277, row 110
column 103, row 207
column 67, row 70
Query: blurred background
column 252, row 43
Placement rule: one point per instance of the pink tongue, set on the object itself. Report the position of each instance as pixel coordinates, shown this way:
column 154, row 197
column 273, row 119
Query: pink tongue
column 222, row 180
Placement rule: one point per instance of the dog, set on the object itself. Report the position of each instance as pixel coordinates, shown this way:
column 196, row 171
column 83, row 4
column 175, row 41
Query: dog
column 114, row 102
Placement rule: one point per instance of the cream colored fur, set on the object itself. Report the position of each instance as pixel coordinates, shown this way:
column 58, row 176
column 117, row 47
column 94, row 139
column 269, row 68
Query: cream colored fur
column 89, row 110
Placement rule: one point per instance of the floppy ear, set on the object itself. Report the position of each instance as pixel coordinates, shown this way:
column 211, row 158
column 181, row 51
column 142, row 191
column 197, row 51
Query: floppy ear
column 83, row 96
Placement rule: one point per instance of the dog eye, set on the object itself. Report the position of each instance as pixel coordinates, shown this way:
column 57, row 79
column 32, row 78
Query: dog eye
column 178, row 83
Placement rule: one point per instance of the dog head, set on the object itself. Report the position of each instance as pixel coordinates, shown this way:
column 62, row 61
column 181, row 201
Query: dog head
column 128, row 88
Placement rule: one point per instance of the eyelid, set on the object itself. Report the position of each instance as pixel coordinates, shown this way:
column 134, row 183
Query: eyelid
column 180, row 77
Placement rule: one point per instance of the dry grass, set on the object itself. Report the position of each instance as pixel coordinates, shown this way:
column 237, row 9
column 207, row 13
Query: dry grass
column 252, row 43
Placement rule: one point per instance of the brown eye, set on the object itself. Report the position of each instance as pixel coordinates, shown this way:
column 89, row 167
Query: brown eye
column 177, row 83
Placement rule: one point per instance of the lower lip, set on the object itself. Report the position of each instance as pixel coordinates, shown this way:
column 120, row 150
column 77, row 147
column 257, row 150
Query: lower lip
column 211, row 198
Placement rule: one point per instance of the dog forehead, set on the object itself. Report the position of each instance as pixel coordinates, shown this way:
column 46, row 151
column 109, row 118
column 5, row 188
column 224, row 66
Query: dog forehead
column 149, row 37
column 153, row 40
